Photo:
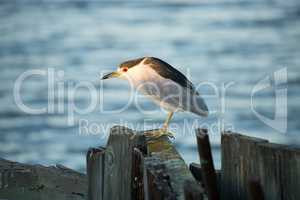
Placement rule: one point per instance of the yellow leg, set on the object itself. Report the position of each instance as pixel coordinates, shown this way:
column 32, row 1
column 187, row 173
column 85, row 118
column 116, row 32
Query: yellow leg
column 166, row 124
column 164, row 130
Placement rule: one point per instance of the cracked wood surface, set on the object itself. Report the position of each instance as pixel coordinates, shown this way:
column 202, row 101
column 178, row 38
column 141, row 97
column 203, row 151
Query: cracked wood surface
column 37, row 182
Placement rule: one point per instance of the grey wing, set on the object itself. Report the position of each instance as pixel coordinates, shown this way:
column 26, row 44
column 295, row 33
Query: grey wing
column 167, row 71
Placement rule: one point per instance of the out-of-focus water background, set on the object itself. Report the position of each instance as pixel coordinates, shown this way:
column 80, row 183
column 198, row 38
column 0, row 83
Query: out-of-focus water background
column 222, row 42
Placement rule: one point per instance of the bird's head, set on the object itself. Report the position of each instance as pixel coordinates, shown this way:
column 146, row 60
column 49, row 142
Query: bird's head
column 124, row 69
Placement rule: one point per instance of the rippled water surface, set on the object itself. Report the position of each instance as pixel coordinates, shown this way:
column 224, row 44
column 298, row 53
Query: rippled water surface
column 231, row 43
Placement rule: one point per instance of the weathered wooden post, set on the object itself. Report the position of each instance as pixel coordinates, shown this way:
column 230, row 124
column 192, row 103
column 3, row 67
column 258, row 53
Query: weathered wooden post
column 37, row 182
column 166, row 164
column 279, row 171
column 157, row 181
column 137, row 174
column 118, row 163
column 95, row 173
column 138, row 168
column 207, row 166
column 192, row 191
column 255, row 190
column 276, row 166
column 110, row 169
column 195, row 169
column 290, row 172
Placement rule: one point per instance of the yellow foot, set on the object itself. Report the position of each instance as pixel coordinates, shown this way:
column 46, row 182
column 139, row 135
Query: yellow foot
column 159, row 133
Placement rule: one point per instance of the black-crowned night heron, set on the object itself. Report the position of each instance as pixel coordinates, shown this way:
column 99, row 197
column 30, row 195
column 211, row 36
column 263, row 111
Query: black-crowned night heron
column 165, row 85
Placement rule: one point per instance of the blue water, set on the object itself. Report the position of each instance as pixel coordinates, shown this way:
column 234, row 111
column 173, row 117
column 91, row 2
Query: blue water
column 219, row 42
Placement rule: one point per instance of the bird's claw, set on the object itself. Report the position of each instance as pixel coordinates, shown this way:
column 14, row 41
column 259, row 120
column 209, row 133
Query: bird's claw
column 159, row 133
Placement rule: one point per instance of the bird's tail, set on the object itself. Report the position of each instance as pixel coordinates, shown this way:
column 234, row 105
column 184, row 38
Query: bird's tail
column 198, row 106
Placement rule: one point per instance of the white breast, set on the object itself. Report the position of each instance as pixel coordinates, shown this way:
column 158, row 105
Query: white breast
column 141, row 74
column 165, row 92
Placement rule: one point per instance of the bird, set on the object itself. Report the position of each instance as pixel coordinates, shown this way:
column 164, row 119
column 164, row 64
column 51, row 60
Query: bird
column 165, row 85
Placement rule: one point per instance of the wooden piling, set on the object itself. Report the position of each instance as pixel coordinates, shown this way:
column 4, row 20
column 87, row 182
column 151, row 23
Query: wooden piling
column 157, row 181
column 207, row 166
column 277, row 167
column 95, row 173
column 239, row 164
column 164, row 158
column 118, row 163
column 137, row 174
column 138, row 167
column 195, row 169
column 255, row 189
column 37, row 182
column 192, row 191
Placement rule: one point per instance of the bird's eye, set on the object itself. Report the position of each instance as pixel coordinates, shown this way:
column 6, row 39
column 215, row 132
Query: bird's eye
column 125, row 69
